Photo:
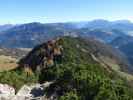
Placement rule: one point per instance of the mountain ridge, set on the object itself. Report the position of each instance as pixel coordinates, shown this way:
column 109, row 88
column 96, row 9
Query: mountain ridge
column 32, row 34
column 79, row 59
column 77, row 68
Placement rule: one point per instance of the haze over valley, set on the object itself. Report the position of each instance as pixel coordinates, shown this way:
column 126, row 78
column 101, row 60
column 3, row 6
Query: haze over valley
column 66, row 50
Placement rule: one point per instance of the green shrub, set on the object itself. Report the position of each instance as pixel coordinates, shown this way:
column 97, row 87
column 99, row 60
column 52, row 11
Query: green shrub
column 70, row 96
column 17, row 78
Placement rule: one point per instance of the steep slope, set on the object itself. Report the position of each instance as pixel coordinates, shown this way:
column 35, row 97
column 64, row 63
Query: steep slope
column 80, row 69
column 93, row 49
column 124, row 44
column 127, row 49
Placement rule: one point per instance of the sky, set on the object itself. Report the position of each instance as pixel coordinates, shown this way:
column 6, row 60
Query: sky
column 50, row 11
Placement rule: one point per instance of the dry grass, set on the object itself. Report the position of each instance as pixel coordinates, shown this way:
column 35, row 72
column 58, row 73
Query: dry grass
column 7, row 63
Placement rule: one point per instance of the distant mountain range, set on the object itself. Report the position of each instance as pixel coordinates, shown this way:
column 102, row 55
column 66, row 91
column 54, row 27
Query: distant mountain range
column 123, row 25
column 31, row 34
column 115, row 33
column 5, row 27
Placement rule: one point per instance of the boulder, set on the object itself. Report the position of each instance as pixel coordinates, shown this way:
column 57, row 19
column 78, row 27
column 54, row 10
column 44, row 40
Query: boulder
column 27, row 92
column 32, row 92
column 6, row 92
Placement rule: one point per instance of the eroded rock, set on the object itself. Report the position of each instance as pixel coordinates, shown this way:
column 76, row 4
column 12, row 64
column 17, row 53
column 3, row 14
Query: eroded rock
column 6, row 92
column 32, row 92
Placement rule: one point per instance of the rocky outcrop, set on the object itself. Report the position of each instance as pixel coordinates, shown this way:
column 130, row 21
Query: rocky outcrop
column 43, row 56
column 30, row 92
column 27, row 92
column 6, row 92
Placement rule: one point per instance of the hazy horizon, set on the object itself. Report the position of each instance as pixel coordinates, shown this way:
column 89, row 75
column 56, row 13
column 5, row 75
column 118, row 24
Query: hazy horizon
column 67, row 21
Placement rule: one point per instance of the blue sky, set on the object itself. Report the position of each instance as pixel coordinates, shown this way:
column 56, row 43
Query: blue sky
column 24, row 11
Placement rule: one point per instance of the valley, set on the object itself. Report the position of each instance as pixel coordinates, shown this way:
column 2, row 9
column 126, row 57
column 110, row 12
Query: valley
column 9, row 57
column 70, row 58
column 7, row 63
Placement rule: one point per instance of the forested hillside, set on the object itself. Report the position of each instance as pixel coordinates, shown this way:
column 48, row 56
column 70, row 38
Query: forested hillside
column 77, row 69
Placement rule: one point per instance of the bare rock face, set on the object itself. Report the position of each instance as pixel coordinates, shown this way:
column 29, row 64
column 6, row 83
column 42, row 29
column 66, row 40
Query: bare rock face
column 43, row 56
column 6, row 92
column 27, row 92
column 32, row 92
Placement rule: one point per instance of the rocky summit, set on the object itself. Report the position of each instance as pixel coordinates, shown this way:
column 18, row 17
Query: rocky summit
column 43, row 56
